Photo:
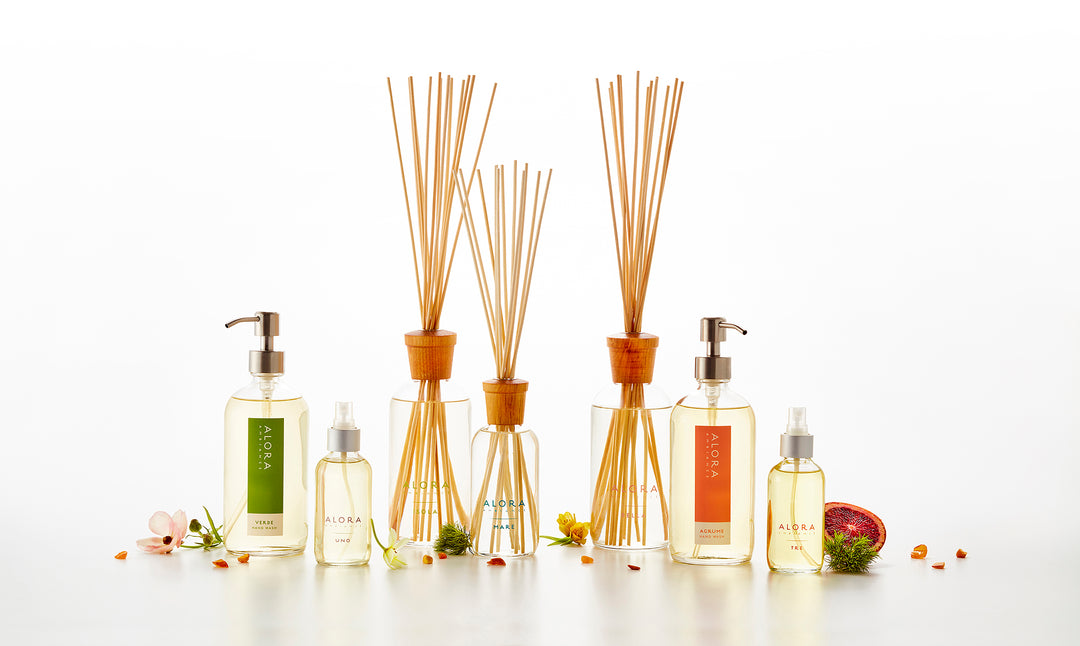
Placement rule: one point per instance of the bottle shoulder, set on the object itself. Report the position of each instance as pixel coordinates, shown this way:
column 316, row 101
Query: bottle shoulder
column 727, row 400
column 267, row 389
column 797, row 465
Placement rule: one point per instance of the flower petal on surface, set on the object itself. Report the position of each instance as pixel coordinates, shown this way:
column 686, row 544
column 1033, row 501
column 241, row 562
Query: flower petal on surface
column 152, row 544
column 179, row 528
column 179, row 523
column 160, row 523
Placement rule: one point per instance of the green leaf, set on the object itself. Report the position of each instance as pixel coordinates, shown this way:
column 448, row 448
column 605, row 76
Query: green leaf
column 210, row 522
column 558, row 540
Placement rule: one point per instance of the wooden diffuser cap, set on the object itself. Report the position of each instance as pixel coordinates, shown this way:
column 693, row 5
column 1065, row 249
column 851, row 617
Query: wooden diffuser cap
column 632, row 357
column 431, row 353
column 505, row 399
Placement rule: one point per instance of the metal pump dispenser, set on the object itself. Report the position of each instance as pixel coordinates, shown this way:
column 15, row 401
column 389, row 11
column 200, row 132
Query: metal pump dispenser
column 713, row 367
column 265, row 361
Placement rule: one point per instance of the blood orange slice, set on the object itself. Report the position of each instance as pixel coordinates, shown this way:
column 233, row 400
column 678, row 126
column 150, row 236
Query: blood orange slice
column 854, row 521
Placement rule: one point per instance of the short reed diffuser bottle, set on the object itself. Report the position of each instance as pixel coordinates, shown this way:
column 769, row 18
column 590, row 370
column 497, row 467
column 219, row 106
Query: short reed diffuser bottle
column 505, row 455
column 505, row 475
column 795, row 539
column 712, row 463
column 629, row 420
column 343, row 495
column 429, row 421
column 266, row 428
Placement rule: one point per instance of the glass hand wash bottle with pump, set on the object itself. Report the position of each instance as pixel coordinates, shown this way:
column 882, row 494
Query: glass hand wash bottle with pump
column 712, row 463
column 266, row 429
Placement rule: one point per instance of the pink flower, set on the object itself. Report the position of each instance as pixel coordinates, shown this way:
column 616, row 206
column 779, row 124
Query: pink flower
column 170, row 533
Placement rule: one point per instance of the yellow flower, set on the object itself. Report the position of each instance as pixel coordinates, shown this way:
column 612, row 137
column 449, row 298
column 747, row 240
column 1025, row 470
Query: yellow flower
column 579, row 533
column 566, row 522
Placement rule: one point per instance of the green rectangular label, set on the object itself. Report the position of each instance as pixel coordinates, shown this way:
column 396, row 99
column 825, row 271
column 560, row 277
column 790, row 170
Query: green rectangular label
column 266, row 465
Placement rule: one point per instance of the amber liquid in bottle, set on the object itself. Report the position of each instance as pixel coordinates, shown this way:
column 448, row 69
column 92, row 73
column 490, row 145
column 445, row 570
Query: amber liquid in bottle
column 712, row 477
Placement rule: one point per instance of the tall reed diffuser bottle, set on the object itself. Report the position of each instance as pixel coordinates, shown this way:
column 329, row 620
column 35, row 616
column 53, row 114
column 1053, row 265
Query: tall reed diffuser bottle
column 429, row 420
column 343, row 495
column 505, row 455
column 630, row 449
column 796, row 519
column 429, row 432
column 712, row 463
column 266, row 429
column 629, row 420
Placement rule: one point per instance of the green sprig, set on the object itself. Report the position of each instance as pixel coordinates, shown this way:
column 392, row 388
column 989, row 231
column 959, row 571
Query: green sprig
column 208, row 539
column 558, row 540
column 850, row 556
column 453, row 539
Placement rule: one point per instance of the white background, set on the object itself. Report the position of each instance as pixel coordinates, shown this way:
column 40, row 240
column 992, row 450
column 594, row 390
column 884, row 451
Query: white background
column 885, row 195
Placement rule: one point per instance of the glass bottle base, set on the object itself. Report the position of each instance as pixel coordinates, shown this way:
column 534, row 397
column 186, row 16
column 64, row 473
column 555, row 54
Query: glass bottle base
column 268, row 551
column 785, row 570
column 710, row 560
column 630, row 548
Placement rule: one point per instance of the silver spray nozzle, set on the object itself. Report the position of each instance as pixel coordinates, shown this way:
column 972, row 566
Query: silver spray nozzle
column 796, row 442
column 344, row 435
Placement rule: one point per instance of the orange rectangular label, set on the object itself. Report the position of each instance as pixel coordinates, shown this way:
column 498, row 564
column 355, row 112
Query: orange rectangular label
column 712, row 485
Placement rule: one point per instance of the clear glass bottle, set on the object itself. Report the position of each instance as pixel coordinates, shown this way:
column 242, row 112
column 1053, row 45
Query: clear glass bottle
column 266, row 428
column 343, row 495
column 796, row 512
column 712, row 463
column 629, row 456
column 429, row 442
column 505, row 475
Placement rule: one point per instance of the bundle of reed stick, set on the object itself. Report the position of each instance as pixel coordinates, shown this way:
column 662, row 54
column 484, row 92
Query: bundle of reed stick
column 621, row 500
column 504, row 254
column 438, row 132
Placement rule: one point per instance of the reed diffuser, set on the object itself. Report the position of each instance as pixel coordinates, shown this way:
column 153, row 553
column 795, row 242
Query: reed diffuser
column 505, row 455
column 429, row 422
column 630, row 443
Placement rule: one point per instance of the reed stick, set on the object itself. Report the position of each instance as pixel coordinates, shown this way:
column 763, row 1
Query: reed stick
column 504, row 255
column 637, row 165
column 429, row 163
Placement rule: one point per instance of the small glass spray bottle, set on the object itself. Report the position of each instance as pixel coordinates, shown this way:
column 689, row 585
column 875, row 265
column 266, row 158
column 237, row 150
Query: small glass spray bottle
column 796, row 502
column 343, row 495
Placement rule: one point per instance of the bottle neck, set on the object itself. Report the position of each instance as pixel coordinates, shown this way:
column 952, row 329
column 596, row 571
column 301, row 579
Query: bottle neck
column 713, row 390
column 267, row 384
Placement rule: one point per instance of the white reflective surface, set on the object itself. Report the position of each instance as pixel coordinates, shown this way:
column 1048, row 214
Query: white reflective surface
column 992, row 597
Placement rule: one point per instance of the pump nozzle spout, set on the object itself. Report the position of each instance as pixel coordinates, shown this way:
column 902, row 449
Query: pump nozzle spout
column 796, row 421
column 265, row 360
column 343, row 416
